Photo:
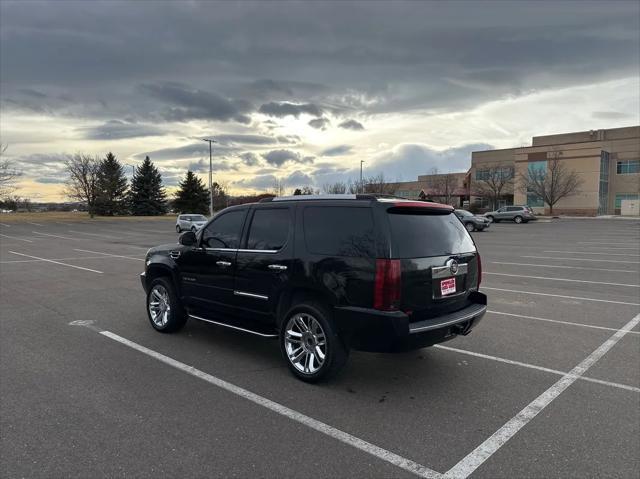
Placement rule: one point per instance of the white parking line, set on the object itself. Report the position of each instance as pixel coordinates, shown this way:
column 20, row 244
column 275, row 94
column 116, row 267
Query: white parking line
column 485, row 450
column 585, row 252
column 57, row 262
column 15, row 237
column 539, row 368
column 94, row 234
column 56, row 236
column 108, row 254
column 378, row 452
column 561, row 296
column 563, row 279
column 5, row 224
column 54, row 259
column 566, row 267
column 569, row 323
column 608, row 243
column 583, row 259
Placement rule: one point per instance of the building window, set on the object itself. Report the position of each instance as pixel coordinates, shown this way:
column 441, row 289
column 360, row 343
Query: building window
column 483, row 174
column 628, row 167
column 536, row 167
column 603, row 188
column 505, row 173
column 623, row 196
column 481, row 202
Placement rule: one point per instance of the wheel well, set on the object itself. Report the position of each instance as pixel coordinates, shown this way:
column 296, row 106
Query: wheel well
column 296, row 296
column 157, row 271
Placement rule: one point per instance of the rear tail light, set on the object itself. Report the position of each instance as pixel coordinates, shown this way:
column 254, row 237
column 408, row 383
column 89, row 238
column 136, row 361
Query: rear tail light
column 386, row 296
column 479, row 269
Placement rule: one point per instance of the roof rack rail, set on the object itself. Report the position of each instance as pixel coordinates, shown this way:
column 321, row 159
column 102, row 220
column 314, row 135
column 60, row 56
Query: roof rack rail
column 346, row 196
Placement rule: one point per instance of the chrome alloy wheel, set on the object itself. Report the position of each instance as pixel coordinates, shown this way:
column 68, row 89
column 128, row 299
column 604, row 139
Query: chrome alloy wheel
column 159, row 307
column 305, row 343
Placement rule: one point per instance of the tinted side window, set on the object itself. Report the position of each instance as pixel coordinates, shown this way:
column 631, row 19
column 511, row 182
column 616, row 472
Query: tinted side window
column 269, row 229
column 514, row 208
column 224, row 232
column 418, row 235
column 339, row 231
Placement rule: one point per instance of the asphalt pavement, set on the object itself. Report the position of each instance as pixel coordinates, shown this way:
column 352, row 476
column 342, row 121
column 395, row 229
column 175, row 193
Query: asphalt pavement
column 548, row 385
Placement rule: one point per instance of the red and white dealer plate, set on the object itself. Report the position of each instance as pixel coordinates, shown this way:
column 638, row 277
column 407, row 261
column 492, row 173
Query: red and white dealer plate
column 448, row 286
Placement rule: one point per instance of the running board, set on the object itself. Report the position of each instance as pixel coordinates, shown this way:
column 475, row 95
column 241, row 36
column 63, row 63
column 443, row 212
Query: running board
column 237, row 328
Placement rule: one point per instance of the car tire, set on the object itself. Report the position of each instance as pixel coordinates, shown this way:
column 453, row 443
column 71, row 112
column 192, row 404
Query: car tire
column 178, row 229
column 167, row 314
column 491, row 219
column 517, row 219
column 306, row 334
column 469, row 227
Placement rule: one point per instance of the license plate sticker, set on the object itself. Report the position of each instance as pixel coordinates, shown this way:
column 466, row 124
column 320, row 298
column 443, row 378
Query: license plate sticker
column 447, row 286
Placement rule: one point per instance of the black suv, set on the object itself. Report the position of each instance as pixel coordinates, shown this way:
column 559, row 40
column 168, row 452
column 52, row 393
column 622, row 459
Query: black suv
column 323, row 274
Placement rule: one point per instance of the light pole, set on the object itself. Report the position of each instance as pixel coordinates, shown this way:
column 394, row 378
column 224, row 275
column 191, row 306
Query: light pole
column 133, row 171
column 361, row 184
column 210, row 176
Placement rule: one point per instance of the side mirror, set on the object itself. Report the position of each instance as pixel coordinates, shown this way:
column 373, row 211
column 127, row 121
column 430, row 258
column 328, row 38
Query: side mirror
column 188, row 238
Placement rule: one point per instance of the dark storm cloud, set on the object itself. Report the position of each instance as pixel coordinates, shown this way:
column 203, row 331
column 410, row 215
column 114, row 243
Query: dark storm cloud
column 279, row 157
column 319, row 123
column 249, row 158
column 116, row 129
column 337, row 150
column 189, row 103
column 351, row 125
column 199, row 150
column 283, row 109
column 246, row 139
column 374, row 57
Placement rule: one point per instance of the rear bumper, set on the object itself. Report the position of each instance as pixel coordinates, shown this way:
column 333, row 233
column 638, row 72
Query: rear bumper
column 378, row 331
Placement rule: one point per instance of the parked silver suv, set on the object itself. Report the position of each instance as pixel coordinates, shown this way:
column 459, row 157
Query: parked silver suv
column 190, row 222
column 517, row 214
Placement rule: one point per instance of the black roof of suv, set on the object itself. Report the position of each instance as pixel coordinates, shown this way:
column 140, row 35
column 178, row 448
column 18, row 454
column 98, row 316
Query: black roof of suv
column 324, row 274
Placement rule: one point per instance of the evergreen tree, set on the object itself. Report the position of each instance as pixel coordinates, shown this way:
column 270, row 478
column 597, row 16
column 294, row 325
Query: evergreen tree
column 192, row 197
column 111, row 187
column 147, row 196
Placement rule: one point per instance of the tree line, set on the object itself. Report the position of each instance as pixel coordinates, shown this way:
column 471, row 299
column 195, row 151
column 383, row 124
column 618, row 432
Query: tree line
column 102, row 185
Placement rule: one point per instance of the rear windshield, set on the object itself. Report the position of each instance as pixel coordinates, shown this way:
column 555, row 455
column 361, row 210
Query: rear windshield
column 417, row 235
column 194, row 217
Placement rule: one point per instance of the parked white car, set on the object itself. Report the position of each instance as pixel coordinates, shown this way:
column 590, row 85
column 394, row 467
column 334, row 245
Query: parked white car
column 190, row 222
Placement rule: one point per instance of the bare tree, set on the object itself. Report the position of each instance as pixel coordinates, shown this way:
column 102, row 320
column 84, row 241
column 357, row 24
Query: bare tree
column 443, row 186
column 83, row 176
column 493, row 182
column 552, row 183
column 337, row 188
column 8, row 174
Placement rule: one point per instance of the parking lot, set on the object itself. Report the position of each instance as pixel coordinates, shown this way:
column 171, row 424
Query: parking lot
column 548, row 385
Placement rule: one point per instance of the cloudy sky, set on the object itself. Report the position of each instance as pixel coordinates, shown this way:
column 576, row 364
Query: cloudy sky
column 303, row 91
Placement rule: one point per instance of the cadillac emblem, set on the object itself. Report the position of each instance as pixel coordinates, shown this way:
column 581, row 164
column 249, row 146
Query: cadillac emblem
column 453, row 265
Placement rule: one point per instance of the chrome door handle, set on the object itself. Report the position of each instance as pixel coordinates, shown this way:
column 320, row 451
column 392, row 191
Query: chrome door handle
column 174, row 254
column 223, row 264
column 277, row 267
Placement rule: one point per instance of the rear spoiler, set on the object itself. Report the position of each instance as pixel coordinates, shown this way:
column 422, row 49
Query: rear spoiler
column 419, row 207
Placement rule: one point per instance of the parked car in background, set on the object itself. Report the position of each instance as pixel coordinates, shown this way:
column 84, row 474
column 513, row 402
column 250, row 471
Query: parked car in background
column 472, row 222
column 323, row 274
column 517, row 214
column 190, row 222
